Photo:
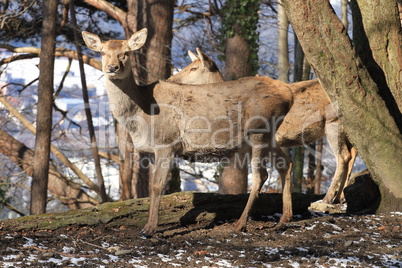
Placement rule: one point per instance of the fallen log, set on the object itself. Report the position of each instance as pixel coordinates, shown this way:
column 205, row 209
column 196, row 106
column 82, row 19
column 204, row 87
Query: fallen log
column 184, row 208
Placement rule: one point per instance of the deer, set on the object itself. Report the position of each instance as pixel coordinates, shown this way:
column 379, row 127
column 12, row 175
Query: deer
column 311, row 116
column 196, row 122
column 202, row 70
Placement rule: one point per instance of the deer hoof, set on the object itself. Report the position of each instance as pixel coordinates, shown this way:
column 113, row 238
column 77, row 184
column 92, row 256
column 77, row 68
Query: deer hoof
column 145, row 235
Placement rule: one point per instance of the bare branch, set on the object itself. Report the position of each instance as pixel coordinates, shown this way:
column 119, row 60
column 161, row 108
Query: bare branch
column 4, row 18
column 54, row 150
column 33, row 52
column 113, row 11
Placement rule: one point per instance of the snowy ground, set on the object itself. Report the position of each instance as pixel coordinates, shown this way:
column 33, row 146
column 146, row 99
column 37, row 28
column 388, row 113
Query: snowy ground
column 317, row 241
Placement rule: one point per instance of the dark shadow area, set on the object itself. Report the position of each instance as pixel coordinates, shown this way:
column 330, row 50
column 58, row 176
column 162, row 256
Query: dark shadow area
column 362, row 196
column 216, row 208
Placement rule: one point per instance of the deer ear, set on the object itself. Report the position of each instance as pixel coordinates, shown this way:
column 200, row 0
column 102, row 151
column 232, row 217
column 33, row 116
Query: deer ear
column 200, row 56
column 92, row 41
column 137, row 40
column 206, row 61
column 193, row 57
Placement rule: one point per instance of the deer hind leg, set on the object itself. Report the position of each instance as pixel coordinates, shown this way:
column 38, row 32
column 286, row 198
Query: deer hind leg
column 353, row 154
column 283, row 165
column 159, row 181
column 338, row 142
column 259, row 176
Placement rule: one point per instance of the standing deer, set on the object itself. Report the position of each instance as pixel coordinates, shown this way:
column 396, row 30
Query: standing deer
column 310, row 117
column 198, row 122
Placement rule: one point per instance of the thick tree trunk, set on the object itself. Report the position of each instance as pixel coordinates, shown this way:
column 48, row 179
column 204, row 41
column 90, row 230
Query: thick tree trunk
column 363, row 108
column 383, row 33
column 149, row 65
column 233, row 179
column 236, row 58
column 44, row 115
column 68, row 192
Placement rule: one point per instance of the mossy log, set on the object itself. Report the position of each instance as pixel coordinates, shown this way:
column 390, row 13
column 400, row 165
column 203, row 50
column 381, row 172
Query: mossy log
column 184, row 208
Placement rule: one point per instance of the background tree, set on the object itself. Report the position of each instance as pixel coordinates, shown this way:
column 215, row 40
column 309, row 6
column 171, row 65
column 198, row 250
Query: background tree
column 240, row 43
column 360, row 79
column 44, row 115
column 283, row 45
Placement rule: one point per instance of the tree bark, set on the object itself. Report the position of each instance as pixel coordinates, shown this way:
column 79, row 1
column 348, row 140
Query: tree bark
column 68, row 192
column 44, row 115
column 344, row 13
column 283, row 46
column 383, row 33
column 233, row 179
column 364, row 111
column 151, row 65
column 318, row 167
column 236, row 58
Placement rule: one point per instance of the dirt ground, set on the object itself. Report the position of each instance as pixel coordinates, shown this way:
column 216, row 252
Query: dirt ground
column 314, row 240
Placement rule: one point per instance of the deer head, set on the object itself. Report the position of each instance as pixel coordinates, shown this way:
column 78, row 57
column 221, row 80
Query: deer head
column 202, row 70
column 115, row 53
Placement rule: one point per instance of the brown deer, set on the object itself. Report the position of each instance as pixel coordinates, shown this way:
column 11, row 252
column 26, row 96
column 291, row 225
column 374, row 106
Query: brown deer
column 202, row 70
column 311, row 116
column 198, row 122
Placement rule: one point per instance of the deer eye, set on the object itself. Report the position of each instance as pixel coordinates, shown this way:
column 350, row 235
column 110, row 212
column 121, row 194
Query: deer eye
column 127, row 53
column 193, row 69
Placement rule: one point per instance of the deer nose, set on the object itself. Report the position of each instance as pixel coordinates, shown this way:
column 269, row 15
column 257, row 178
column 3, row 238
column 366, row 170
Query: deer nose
column 112, row 68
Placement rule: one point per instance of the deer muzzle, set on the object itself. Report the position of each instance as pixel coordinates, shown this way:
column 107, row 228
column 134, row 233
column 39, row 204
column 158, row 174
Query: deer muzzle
column 112, row 68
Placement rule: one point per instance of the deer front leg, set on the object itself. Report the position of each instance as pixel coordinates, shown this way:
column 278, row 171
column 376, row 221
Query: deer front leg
column 283, row 165
column 259, row 176
column 159, row 181
column 338, row 141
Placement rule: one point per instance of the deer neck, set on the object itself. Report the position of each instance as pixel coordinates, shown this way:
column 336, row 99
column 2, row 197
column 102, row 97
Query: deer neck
column 127, row 98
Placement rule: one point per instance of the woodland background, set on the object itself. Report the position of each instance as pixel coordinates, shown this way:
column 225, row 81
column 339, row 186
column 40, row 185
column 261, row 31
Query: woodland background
column 91, row 158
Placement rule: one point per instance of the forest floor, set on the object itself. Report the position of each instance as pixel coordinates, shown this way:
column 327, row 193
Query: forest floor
column 313, row 240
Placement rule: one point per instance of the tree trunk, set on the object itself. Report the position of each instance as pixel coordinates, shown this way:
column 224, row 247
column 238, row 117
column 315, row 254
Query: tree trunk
column 150, row 65
column 297, row 152
column 283, row 45
column 344, row 12
column 233, row 179
column 381, row 31
column 318, row 167
column 44, row 114
column 68, row 192
column 126, row 165
column 236, row 58
column 363, row 99
column 298, row 169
